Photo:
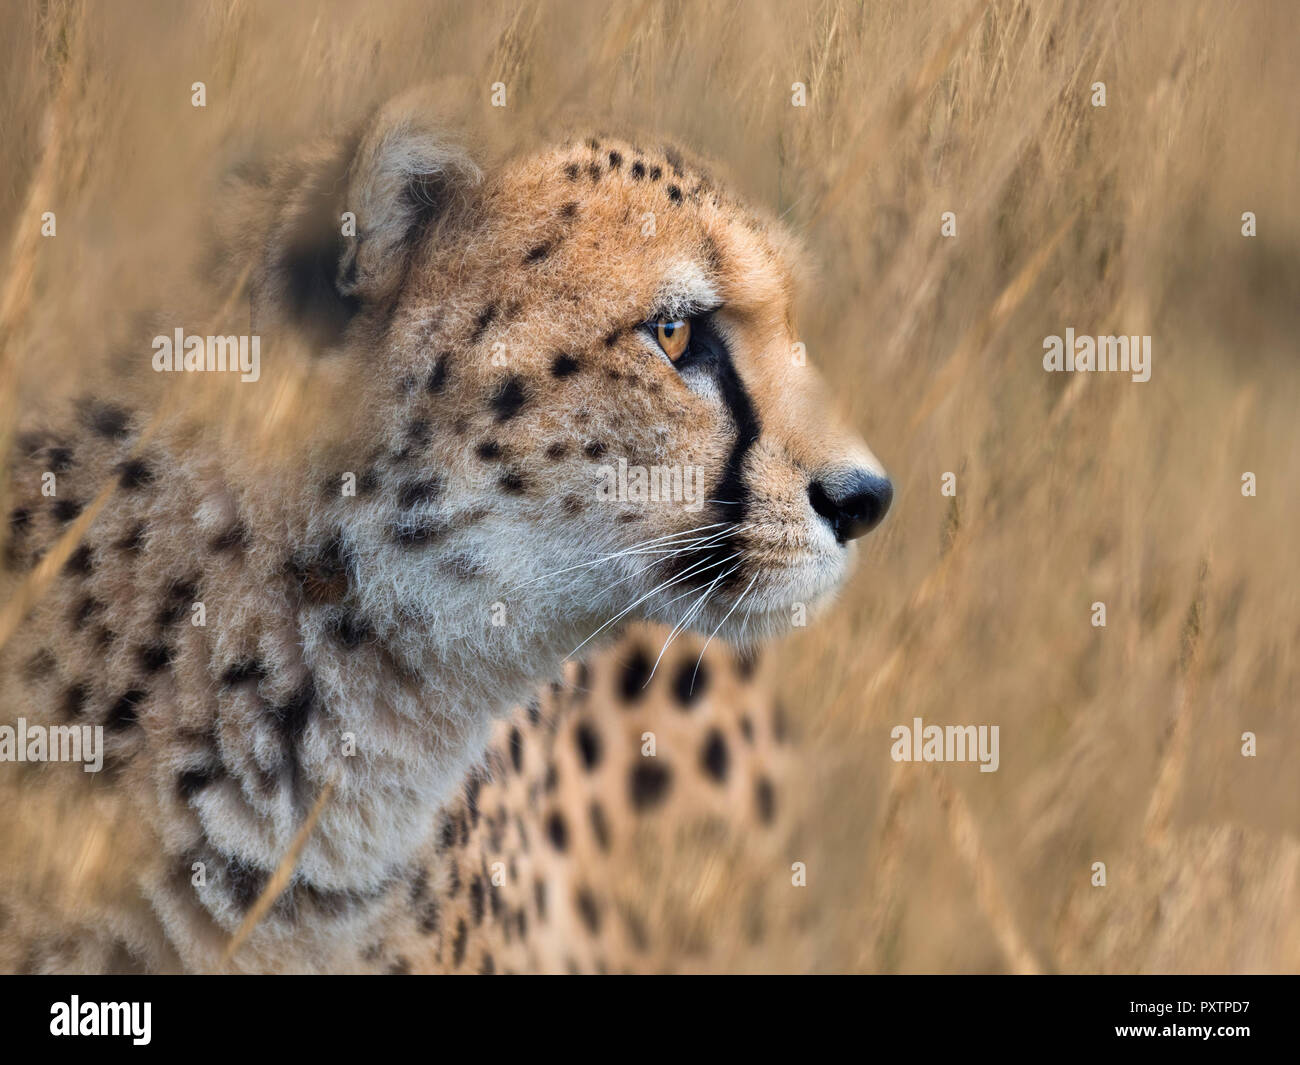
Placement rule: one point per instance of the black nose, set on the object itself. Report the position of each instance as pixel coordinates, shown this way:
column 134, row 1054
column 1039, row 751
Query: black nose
column 852, row 505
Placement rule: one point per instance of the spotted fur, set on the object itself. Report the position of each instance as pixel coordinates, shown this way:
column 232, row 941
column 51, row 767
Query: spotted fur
column 487, row 332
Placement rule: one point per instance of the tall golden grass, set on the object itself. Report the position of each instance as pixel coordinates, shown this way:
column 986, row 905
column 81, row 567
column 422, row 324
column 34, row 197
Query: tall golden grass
column 1119, row 744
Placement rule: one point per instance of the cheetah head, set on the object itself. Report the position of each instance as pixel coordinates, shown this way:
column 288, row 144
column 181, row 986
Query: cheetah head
column 584, row 392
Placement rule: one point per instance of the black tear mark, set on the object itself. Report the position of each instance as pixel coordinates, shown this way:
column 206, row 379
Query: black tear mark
column 484, row 319
column 564, row 366
column 509, row 398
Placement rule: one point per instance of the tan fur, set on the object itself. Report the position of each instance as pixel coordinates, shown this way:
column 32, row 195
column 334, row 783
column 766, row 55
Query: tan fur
column 378, row 616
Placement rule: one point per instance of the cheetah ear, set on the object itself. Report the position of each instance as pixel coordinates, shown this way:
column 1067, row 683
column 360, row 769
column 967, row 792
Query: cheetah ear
column 349, row 225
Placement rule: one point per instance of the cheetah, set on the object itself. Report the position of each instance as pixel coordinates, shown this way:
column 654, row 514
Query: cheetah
column 432, row 691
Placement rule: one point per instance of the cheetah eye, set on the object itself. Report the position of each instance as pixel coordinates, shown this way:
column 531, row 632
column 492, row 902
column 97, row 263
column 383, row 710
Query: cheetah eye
column 673, row 337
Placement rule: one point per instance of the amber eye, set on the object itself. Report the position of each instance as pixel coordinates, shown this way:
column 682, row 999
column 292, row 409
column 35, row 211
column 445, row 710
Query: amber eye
column 673, row 337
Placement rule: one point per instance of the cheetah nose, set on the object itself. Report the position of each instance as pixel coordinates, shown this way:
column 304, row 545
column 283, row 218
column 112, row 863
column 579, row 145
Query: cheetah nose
column 851, row 505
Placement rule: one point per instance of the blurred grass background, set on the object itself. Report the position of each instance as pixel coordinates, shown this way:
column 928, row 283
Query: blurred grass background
column 1120, row 744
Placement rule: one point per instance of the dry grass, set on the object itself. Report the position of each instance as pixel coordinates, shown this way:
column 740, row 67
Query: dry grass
column 1119, row 744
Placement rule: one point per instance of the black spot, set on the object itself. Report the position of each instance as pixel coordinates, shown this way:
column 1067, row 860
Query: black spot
column 615, row 160
column 488, row 450
column 513, row 481
column 74, row 700
column 635, row 675
column 714, row 758
column 154, row 657
column 766, row 796
column 39, row 666
column 510, row 396
column 638, row 170
column 571, row 171
column 534, row 711
column 19, row 519
column 674, row 194
column 246, row 882
column 517, row 749
column 242, row 672
column 429, row 918
column 746, row 664
column 557, row 831
column 589, row 747
column 233, row 539
column 476, row 899
column 180, row 596
column 59, row 458
column 689, row 682
column 418, row 433
column 134, row 474
column 487, row 967
column 564, row 365
column 599, row 825
column 67, row 509
column 81, row 562
column 193, row 781
column 122, row 715
column 594, row 449
column 438, row 375
column 458, row 943
column 648, row 785
column 570, row 209
column 747, row 728
column 539, row 898
column 350, row 629
column 483, row 320
column 594, row 171
column 419, row 535
column 108, row 421
column 588, row 911
column 292, row 714
column 557, row 450
column 656, row 172
column 611, row 339
column 416, row 492
column 133, row 542
column 537, row 254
